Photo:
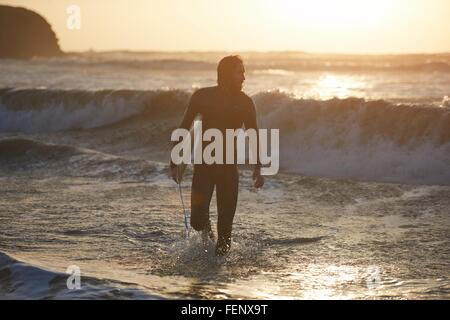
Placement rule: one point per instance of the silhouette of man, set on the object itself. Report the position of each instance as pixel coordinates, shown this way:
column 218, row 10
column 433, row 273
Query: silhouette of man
column 222, row 107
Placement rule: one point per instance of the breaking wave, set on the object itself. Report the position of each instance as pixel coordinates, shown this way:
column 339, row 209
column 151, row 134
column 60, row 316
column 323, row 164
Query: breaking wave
column 38, row 110
column 354, row 138
column 348, row 138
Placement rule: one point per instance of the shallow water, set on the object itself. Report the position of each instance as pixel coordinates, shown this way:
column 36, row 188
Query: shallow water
column 298, row 238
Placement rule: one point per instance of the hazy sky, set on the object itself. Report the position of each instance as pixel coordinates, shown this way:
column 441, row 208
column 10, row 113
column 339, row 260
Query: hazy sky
column 353, row 26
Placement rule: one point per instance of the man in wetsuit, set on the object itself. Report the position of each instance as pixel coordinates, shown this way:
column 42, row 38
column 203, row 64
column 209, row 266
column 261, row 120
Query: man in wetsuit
column 222, row 107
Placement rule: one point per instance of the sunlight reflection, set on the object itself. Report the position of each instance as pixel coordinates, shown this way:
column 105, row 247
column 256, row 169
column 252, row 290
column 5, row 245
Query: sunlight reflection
column 326, row 282
column 329, row 86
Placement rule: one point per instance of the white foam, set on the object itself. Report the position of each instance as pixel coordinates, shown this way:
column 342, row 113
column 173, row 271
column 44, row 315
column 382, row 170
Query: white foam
column 62, row 116
column 350, row 139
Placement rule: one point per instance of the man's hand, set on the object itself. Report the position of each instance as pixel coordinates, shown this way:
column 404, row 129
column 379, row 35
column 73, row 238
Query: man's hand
column 258, row 178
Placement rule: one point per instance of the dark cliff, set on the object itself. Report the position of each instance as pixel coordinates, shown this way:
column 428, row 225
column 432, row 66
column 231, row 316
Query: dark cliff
column 25, row 34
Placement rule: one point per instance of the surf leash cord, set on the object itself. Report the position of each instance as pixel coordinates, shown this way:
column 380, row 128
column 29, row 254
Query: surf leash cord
column 185, row 213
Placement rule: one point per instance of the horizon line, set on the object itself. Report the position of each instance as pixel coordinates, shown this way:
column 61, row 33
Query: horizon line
column 256, row 51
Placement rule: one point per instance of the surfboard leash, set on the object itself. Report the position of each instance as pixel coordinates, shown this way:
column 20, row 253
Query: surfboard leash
column 185, row 213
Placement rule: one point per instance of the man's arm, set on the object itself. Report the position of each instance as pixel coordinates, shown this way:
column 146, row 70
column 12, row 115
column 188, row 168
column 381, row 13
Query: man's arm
column 190, row 113
column 250, row 122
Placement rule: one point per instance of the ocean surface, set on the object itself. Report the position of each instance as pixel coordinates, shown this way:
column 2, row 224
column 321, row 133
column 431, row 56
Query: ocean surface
column 359, row 210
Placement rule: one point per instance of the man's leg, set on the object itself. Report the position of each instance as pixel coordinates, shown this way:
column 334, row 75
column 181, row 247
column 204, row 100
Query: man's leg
column 227, row 195
column 202, row 189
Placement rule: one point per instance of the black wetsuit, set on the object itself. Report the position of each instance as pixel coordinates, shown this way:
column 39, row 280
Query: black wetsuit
column 221, row 111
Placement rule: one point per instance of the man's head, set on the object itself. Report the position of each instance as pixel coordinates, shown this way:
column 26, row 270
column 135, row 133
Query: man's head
column 230, row 73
